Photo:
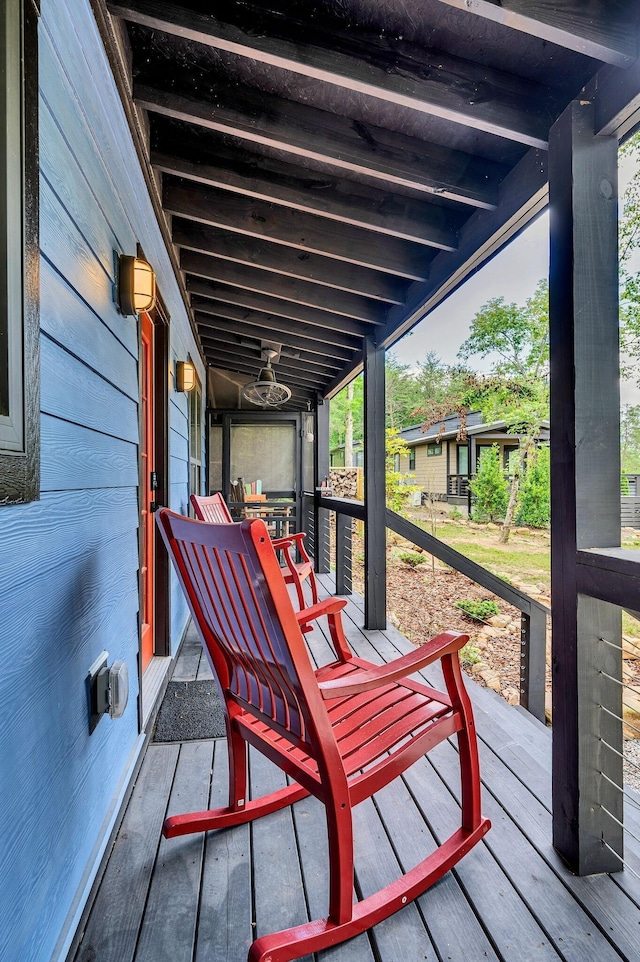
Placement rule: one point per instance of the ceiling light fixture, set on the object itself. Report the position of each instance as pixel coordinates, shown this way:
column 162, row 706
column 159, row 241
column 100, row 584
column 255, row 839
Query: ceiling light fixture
column 266, row 391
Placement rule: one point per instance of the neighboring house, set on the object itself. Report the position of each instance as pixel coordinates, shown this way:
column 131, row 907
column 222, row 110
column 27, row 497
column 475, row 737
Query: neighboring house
column 442, row 464
column 336, row 455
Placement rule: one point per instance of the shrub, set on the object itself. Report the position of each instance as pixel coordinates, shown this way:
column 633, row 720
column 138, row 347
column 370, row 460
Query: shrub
column 480, row 610
column 455, row 514
column 470, row 655
column 489, row 487
column 535, row 493
column 412, row 558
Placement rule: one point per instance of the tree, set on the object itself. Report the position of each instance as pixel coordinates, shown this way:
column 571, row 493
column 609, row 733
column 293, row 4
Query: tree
column 517, row 391
column 535, row 501
column 629, row 244
column 489, row 487
column 402, row 394
column 630, row 439
column 397, row 484
column 343, row 406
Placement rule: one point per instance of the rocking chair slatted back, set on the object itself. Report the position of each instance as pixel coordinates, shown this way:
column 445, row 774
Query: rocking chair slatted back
column 243, row 634
column 213, row 509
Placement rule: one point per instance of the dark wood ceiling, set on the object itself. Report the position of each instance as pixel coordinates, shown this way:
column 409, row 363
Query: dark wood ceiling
column 331, row 169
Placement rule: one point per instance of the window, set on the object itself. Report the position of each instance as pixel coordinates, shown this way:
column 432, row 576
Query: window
column 195, row 439
column 412, row 459
column 19, row 257
column 433, row 449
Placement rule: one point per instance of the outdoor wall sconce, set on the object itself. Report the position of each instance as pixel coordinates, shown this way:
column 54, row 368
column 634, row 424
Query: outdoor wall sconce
column 185, row 376
column 136, row 285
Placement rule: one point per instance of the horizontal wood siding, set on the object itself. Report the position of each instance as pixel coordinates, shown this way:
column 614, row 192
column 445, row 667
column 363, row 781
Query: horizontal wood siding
column 430, row 473
column 69, row 562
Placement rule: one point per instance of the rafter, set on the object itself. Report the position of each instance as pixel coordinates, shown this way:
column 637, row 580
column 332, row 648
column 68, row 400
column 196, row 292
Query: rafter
column 287, row 361
column 338, row 344
column 296, row 344
column 337, row 199
column 306, row 132
column 253, row 362
column 242, row 249
column 430, row 82
column 286, row 288
column 297, row 316
column 602, row 29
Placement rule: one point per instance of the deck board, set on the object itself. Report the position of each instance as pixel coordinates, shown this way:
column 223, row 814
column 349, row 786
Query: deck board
column 510, row 900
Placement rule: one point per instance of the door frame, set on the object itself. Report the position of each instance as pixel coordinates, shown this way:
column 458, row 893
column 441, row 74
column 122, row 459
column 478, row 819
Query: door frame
column 161, row 615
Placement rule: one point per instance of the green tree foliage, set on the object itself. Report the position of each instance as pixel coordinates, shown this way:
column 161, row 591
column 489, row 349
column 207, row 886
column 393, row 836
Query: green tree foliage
column 338, row 413
column 629, row 244
column 517, row 391
column 535, row 496
column 630, row 439
column 489, row 487
column 397, row 484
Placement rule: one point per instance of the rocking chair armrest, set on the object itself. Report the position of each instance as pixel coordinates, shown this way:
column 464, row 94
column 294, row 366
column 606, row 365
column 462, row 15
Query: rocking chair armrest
column 444, row 644
column 330, row 606
column 297, row 538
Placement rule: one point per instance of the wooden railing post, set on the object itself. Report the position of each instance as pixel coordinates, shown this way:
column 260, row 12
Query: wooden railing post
column 533, row 659
column 344, row 580
column 585, row 490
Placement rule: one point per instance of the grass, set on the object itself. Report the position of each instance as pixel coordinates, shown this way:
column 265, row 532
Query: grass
column 525, row 559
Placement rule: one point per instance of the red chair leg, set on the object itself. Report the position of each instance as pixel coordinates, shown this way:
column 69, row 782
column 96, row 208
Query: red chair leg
column 467, row 743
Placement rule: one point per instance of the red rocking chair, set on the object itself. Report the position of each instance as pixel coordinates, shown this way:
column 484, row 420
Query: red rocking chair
column 342, row 732
column 214, row 509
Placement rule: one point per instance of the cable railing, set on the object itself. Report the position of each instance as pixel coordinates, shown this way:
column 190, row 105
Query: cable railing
column 533, row 613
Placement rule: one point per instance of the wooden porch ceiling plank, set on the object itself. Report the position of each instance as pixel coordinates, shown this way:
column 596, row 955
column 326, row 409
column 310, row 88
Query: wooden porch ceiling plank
column 252, row 363
column 298, row 367
column 170, row 921
column 332, row 197
column 408, row 76
column 291, row 345
column 601, row 29
column 523, row 195
column 616, row 96
column 364, row 150
column 287, row 288
column 308, row 233
column 308, row 317
column 203, row 235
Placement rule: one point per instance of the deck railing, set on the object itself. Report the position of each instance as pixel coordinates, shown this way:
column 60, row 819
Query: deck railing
column 457, row 485
column 533, row 613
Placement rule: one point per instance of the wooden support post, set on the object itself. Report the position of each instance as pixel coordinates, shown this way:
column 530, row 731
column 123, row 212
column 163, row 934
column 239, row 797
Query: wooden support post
column 322, row 549
column 533, row 661
column 343, row 555
column 375, row 532
column 585, row 496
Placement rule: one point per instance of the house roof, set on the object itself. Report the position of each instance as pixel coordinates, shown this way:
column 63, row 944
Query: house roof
column 449, row 427
column 326, row 172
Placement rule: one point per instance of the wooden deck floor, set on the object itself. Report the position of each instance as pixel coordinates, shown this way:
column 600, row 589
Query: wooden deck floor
column 205, row 898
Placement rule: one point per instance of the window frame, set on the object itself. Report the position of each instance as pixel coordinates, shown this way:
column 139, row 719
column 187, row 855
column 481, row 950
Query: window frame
column 412, row 459
column 434, row 449
column 19, row 227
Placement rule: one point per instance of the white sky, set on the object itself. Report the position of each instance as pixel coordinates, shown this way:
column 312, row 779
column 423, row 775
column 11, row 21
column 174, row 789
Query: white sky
column 512, row 274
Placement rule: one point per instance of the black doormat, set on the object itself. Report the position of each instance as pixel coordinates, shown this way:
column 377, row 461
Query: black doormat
column 190, row 711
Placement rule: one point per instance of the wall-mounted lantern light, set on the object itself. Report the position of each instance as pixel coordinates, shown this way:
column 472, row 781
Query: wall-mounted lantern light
column 185, row 376
column 136, row 285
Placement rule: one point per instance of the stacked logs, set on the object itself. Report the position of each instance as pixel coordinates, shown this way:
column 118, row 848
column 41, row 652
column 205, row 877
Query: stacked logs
column 344, row 482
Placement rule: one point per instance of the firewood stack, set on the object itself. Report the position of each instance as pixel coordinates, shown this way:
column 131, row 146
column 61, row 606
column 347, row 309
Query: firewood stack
column 344, row 482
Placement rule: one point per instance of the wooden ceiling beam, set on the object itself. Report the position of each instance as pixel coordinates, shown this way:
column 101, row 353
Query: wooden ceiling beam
column 295, row 230
column 335, row 198
column 287, row 288
column 337, row 344
column 252, row 364
column 298, row 317
column 241, row 249
column 289, row 341
column 603, row 29
column 362, row 149
column 395, row 72
column 287, row 365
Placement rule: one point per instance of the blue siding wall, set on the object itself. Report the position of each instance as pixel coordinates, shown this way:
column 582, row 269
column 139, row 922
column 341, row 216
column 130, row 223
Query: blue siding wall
column 69, row 563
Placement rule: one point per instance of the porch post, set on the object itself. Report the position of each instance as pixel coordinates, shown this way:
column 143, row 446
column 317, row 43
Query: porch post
column 375, row 532
column 322, row 550
column 585, row 495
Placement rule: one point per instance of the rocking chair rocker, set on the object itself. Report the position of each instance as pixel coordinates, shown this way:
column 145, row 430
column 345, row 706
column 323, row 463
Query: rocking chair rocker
column 342, row 732
column 214, row 509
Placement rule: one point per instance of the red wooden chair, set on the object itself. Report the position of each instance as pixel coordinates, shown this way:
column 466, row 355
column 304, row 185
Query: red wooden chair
column 342, row 732
column 215, row 510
